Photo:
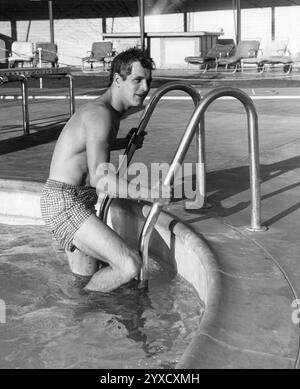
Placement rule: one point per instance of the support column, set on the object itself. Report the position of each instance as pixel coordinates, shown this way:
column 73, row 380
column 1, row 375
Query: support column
column 273, row 26
column 238, row 21
column 13, row 27
column 142, row 22
column 28, row 31
column 104, row 26
column 51, row 21
column 185, row 22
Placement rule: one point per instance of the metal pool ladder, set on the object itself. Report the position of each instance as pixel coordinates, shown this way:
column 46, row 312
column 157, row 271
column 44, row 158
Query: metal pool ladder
column 196, row 119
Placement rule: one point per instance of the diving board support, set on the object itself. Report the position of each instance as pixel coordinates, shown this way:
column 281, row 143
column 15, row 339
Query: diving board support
column 23, row 74
column 24, row 88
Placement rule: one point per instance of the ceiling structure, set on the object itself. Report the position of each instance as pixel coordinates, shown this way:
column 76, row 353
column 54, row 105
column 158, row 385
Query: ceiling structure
column 73, row 9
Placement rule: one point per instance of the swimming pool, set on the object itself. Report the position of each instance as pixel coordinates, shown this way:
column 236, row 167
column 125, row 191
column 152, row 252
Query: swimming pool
column 52, row 323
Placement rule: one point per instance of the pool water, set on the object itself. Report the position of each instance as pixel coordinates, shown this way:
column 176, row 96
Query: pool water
column 52, row 323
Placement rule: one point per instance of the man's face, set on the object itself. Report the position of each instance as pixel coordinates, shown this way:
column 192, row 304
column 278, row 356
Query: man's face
column 136, row 86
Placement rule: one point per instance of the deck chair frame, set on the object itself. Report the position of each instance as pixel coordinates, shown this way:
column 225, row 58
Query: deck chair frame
column 216, row 52
column 46, row 52
column 244, row 49
column 118, row 48
column 274, row 53
column 99, row 51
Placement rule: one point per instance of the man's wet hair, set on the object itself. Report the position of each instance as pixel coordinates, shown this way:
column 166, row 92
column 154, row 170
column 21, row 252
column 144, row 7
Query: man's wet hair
column 122, row 63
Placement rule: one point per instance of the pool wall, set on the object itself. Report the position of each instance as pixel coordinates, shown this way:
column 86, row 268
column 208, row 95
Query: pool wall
column 20, row 202
column 174, row 242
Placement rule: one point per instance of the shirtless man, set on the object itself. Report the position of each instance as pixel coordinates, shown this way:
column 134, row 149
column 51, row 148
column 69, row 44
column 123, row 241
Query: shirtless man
column 81, row 154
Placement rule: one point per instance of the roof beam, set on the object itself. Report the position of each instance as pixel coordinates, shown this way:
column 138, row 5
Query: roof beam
column 75, row 9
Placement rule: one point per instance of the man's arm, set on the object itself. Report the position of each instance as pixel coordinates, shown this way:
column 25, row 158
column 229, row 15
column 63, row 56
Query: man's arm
column 97, row 123
column 103, row 175
column 122, row 143
column 114, row 186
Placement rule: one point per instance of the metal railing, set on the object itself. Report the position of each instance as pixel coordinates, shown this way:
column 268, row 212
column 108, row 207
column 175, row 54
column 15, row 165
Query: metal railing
column 198, row 118
column 23, row 74
column 142, row 124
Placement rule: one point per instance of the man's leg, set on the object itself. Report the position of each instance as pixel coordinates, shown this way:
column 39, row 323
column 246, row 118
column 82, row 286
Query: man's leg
column 97, row 240
column 81, row 263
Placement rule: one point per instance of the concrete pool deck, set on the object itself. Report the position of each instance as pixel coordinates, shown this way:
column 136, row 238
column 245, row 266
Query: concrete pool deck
column 260, row 275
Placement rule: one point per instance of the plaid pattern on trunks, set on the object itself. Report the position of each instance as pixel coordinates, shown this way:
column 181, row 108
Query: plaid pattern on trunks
column 65, row 208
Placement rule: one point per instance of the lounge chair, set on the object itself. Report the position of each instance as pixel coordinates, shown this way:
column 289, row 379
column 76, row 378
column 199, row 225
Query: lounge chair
column 21, row 54
column 99, row 51
column 216, row 52
column 244, row 49
column 226, row 41
column 275, row 52
column 46, row 53
column 3, row 59
column 118, row 48
column 5, row 49
column 296, row 60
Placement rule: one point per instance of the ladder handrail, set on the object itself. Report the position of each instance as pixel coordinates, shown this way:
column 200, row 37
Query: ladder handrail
column 196, row 118
column 142, row 124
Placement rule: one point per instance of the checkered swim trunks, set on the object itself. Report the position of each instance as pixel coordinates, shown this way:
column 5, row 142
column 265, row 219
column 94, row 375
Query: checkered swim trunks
column 65, row 208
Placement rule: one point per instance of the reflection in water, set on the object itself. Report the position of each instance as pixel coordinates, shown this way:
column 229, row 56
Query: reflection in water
column 53, row 323
column 126, row 306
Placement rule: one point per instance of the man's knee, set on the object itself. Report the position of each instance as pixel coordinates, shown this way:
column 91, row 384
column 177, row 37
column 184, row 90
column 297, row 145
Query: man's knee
column 132, row 266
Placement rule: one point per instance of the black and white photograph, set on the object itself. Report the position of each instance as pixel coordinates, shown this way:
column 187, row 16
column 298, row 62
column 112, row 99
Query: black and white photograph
column 149, row 187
